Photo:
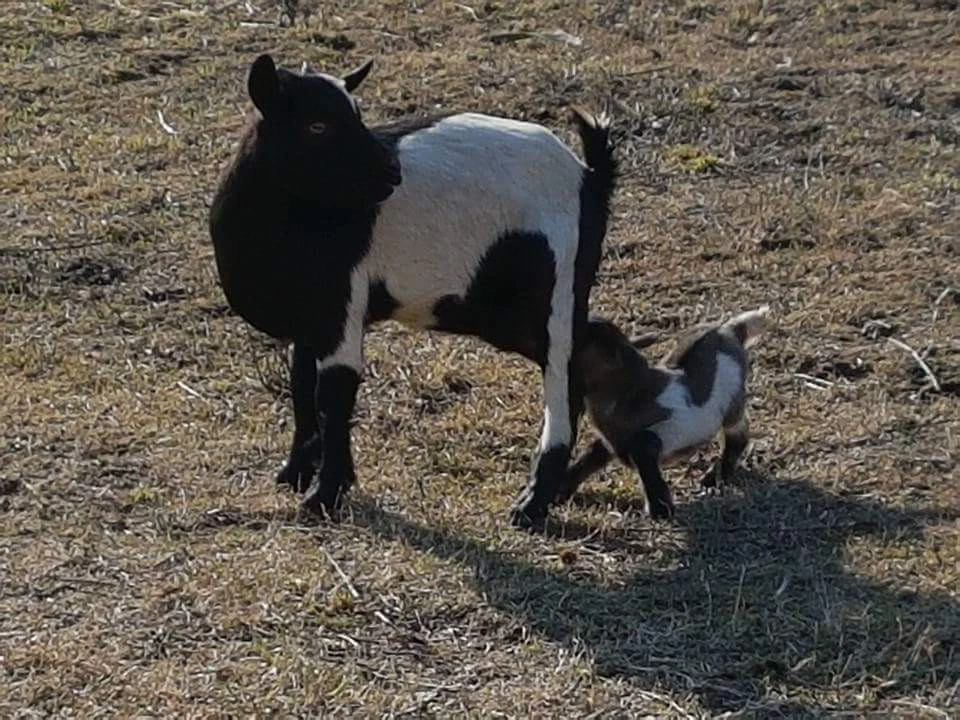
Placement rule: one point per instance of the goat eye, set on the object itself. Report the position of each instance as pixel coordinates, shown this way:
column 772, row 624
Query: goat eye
column 317, row 128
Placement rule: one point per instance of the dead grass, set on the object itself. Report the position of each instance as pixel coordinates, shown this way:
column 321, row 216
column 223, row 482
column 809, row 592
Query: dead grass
column 149, row 567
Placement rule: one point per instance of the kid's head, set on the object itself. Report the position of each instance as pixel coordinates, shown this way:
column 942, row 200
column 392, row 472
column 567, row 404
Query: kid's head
column 606, row 355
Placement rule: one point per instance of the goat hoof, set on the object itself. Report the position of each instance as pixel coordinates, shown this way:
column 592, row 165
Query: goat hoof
column 324, row 502
column 522, row 521
column 528, row 516
column 296, row 476
column 660, row 509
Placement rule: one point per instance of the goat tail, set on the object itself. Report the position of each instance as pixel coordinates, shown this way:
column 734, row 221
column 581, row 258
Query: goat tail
column 594, row 133
column 747, row 327
column 596, row 190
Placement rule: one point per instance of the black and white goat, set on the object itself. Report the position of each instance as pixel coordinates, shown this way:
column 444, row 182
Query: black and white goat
column 467, row 224
column 650, row 415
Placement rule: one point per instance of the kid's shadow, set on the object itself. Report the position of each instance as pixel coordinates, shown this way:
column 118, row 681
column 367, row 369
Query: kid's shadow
column 752, row 599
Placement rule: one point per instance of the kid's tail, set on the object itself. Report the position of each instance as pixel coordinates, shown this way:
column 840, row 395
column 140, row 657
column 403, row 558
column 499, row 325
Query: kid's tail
column 747, row 327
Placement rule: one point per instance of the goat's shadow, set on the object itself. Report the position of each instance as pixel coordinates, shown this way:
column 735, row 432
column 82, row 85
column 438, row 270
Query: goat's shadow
column 754, row 603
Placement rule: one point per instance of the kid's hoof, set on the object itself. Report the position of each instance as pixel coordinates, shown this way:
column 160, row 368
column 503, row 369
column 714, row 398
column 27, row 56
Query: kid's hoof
column 565, row 494
column 708, row 480
column 711, row 481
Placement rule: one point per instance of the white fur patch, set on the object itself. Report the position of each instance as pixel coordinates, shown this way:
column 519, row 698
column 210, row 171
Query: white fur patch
column 754, row 323
column 467, row 180
column 689, row 425
column 562, row 236
column 350, row 350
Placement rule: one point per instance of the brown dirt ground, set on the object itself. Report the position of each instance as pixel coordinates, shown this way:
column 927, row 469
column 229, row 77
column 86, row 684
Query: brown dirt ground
column 797, row 154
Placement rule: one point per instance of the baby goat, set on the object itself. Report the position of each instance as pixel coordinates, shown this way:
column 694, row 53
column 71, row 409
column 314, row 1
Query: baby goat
column 466, row 224
column 650, row 415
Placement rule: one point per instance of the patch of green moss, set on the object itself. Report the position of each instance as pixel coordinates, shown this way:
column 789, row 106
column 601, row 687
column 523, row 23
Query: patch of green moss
column 692, row 159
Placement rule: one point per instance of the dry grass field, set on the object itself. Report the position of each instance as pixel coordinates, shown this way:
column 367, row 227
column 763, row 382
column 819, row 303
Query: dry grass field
column 802, row 154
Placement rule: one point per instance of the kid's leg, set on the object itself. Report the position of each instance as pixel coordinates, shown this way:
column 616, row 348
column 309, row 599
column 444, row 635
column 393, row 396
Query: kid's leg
column 645, row 456
column 590, row 462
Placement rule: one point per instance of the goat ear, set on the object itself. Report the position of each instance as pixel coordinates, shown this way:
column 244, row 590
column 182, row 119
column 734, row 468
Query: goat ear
column 351, row 81
column 263, row 84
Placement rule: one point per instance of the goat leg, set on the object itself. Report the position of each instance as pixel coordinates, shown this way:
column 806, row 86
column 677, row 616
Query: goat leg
column 645, row 457
column 735, row 440
column 596, row 457
column 335, row 396
column 298, row 471
column 564, row 404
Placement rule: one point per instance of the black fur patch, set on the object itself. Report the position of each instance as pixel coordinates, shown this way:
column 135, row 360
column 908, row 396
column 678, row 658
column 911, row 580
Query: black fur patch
column 334, row 398
column 508, row 301
column 696, row 354
column 381, row 304
column 699, row 364
column 596, row 190
column 298, row 470
column 549, row 476
column 621, row 388
column 644, row 456
column 285, row 259
column 284, row 264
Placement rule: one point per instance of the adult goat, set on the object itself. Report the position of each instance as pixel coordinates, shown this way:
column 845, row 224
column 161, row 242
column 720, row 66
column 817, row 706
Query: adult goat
column 467, row 223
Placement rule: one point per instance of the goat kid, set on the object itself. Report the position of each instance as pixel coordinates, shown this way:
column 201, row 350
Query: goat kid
column 652, row 415
column 467, row 224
